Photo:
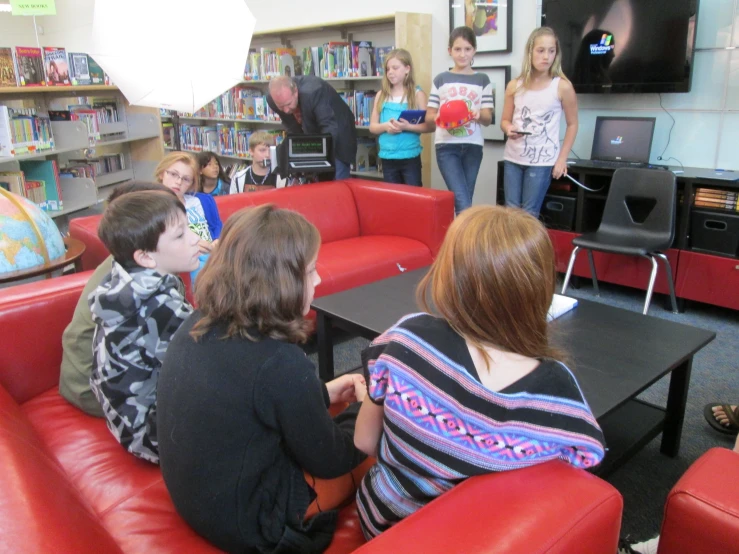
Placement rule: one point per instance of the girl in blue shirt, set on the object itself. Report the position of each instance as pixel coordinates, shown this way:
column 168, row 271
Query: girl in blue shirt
column 213, row 180
column 399, row 140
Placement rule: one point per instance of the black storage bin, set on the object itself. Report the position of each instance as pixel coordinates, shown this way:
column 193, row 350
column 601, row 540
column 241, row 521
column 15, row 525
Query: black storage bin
column 715, row 232
column 558, row 212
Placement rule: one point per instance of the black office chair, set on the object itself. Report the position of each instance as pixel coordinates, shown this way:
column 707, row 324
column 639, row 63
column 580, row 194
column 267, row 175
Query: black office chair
column 638, row 220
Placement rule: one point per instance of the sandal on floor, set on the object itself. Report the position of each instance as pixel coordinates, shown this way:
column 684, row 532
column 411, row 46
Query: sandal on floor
column 733, row 416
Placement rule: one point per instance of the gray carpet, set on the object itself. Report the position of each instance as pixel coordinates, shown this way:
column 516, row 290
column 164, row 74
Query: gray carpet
column 646, row 479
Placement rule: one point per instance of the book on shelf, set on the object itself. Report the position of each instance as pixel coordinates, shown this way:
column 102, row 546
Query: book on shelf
column 13, row 181
column 79, row 71
column 45, row 172
column 23, row 131
column 8, row 76
column 286, row 61
column 56, row 67
column 381, row 53
column 361, row 57
column 367, row 158
column 336, row 60
column 717, row 199
column 97, row 75
column 29, row 66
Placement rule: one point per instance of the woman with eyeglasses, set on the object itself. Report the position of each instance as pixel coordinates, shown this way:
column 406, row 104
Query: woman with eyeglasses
column 179, row 172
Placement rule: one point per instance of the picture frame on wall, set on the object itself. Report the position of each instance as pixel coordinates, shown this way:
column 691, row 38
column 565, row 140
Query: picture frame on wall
column 490, row 20
column 499, row 76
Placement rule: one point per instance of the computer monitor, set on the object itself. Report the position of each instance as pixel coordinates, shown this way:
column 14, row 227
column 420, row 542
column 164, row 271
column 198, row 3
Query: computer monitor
column 309, row 146
column 301, row 154
column 623, row 139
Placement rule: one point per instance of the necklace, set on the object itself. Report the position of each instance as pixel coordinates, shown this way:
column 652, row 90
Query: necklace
column 253, row 176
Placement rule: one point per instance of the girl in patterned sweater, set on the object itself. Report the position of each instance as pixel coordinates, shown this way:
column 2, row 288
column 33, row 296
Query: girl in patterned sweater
column 477, row 389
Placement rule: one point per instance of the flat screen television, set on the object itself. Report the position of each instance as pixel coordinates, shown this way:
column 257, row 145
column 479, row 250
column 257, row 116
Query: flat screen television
column 625, row 45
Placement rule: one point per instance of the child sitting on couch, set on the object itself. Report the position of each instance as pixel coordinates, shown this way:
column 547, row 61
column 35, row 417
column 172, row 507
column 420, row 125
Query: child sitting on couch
column 74, row 377
column 136, row 310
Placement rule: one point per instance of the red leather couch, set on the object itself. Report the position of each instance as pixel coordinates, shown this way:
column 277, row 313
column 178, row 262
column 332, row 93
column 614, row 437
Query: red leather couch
column 702, row 509
column 369, row 230
column 67, row 487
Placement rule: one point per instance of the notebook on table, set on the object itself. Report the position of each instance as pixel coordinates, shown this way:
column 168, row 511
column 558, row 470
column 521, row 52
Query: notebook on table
column 621, row 142
column 560, row 305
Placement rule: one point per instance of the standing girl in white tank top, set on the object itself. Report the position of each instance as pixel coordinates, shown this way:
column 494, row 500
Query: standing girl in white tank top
column 534, row 102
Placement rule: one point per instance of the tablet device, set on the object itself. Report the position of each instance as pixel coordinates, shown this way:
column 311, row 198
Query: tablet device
column 413, row 116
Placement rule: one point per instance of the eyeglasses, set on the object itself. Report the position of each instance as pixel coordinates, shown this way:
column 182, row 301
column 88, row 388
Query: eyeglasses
column 177, row 177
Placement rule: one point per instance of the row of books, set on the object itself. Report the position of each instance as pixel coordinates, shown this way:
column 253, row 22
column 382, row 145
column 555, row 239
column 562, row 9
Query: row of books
column 51, row 66
column 91, row 168
column 37, row 180
column 717, row 199
column 23, row 131
column 237, row 103
column 250, row 104
column 227, row 140
column 334, row 59
column 93, row 112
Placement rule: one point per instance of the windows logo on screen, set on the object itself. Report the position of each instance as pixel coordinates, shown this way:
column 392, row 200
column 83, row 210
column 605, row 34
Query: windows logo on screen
column 602, row 47
column 617, row 140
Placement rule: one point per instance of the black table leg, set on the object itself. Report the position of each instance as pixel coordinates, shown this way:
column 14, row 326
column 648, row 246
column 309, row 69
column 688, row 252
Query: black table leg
column 676, row 400
column 325, row 347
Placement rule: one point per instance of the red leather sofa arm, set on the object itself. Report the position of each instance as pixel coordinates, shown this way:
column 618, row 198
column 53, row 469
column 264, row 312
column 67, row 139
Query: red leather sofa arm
column 552, row 508
column 32, row 319
column 402, row 210
column 86, row 230
column 702, row 509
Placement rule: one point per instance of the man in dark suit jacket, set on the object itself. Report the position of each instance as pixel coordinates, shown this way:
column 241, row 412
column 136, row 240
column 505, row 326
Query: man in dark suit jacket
column 308, row 104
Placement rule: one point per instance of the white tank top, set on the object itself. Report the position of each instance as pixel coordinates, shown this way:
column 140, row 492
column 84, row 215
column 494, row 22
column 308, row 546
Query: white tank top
column 538, row 111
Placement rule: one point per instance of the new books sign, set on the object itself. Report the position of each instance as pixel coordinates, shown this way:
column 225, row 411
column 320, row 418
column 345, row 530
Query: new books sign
column 33, row 7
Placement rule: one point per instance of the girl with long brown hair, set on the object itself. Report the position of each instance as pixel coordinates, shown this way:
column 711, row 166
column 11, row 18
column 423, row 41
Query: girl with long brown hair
column 477, row 388
column 242, row 414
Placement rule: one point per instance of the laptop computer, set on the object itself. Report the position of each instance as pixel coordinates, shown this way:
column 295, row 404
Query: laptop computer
column 621, row 142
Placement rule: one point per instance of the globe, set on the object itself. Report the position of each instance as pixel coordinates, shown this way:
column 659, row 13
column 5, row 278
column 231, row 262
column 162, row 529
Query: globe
column 28, row 236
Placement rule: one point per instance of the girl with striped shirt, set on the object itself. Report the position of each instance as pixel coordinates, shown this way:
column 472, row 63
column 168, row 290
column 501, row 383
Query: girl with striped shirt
column 478, row 388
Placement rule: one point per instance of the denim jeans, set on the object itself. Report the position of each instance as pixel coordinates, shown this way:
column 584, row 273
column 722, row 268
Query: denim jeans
column 459, row 165
column 526, row 185
column 402, row 172
column 342, row 170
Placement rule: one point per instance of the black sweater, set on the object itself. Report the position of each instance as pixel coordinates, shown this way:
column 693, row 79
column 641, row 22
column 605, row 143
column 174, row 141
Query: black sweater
column 239, row 421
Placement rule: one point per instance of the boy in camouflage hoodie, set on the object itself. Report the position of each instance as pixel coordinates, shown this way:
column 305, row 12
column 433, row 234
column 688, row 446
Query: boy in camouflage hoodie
column 136, row 310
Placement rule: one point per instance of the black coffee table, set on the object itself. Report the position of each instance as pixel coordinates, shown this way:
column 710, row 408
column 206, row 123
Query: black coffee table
column 616, row 354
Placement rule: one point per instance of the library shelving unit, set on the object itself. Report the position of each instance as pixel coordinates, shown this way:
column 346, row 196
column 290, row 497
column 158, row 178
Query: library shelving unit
column 411, row 31
column 137, row 136
column 705, row 252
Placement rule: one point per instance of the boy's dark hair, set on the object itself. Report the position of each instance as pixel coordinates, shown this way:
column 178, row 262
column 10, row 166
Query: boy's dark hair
column 135, row 221
column 465, row 33
column 135, row 186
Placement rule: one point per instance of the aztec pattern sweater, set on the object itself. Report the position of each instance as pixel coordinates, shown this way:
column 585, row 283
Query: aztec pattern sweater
column 441, row 425
column 136, row 312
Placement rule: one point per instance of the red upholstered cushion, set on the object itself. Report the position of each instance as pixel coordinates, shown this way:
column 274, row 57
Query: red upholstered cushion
column 35, row 489
column 32, row 319
column 350, row 263
column 86, row 230
column 702, row 510
column 328, row 206
column 348, row 536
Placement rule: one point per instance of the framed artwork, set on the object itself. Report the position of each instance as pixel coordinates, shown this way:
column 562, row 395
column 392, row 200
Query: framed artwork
column 491, row 21
column 499, row 76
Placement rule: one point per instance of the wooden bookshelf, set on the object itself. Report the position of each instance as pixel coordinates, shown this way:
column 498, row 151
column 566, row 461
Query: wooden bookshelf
column 411, row 31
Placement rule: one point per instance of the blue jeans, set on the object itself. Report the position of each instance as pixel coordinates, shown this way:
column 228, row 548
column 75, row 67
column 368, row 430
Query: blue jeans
column 402, row 172
column 342, row 170
column 526, row 185
column 459, row 165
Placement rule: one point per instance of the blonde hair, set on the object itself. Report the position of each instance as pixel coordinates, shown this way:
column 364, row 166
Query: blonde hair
column 528, row 66
column 493, row 281
column 260, row 137
column 172, row 158
column 409, row 83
